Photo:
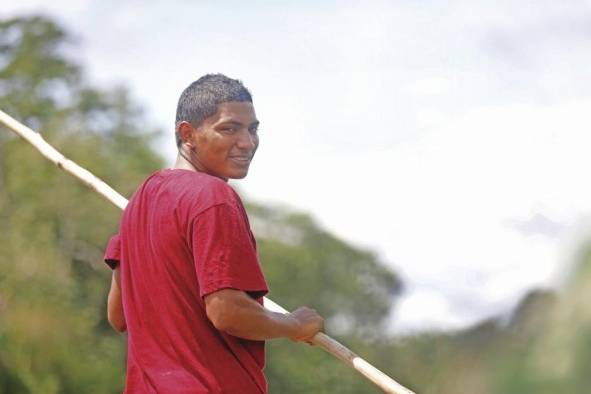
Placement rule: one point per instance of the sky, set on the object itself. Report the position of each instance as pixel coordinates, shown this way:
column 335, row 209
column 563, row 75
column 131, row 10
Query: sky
column 449, row 137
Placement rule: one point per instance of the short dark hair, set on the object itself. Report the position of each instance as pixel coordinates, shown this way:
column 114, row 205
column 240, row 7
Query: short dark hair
column 201, row 98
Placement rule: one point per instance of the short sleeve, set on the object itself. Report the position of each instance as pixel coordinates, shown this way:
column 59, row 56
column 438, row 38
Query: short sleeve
column 224, row 252
column 113, row 251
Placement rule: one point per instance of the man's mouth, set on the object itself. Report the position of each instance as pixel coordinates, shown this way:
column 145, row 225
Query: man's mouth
column 241, row 159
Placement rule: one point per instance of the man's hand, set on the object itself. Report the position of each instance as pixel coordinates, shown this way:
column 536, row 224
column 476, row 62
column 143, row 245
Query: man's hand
column 308, row 323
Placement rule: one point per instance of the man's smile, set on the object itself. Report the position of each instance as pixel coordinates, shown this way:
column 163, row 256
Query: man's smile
column 242, row 160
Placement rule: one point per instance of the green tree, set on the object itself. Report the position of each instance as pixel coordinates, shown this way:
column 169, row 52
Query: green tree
column 53, row 333
column 350, row 287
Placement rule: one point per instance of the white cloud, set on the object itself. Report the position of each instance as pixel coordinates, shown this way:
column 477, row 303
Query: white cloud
column 437, row 206
column 425, row 310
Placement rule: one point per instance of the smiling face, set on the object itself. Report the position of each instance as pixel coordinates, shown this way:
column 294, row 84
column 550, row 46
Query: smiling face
column 224, row 144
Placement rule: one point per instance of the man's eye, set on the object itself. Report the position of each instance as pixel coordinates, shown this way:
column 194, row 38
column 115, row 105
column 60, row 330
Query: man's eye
column 229, row 129
column 253, row 130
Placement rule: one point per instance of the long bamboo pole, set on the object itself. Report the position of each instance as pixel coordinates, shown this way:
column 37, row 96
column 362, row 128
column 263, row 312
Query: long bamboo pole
column 383, row 381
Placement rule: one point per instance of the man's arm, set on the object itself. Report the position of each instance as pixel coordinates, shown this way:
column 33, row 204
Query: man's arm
column 236, row 313
column 115, row 313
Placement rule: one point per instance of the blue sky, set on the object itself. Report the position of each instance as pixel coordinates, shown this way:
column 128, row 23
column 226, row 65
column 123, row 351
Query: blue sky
column 450, row 137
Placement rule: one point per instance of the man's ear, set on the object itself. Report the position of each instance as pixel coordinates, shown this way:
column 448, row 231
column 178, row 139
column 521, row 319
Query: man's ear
column 185, row 132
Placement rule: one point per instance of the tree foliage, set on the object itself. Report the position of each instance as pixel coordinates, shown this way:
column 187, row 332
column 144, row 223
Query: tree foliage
column 350, row 287
column 53, row 334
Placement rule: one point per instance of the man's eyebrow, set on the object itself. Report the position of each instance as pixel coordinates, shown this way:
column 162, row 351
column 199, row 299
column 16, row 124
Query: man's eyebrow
column 236, row 123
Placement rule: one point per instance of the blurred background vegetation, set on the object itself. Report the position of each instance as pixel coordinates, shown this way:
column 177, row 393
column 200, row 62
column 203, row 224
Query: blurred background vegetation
column 54, row 337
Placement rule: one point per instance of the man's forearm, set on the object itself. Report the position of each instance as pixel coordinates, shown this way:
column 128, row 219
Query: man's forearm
column 234, row 312
column 262, row 326
column 115, row 313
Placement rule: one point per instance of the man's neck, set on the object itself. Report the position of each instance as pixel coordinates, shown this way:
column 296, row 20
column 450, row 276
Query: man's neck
column 182, row 164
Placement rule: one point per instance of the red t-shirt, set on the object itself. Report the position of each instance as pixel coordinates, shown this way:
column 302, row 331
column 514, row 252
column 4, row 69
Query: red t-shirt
column 184, row 235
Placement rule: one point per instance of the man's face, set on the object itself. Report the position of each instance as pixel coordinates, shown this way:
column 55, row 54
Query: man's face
column 225, row 143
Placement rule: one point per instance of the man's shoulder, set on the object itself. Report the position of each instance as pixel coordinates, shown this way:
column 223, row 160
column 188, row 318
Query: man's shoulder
column 200, row 189
column 203, row 183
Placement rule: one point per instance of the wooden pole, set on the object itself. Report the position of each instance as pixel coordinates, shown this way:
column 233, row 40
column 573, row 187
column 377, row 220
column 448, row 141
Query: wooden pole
column 383, row 381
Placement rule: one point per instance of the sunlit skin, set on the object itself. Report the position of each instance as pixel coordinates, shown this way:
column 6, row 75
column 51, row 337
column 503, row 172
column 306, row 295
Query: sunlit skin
column 223, row 146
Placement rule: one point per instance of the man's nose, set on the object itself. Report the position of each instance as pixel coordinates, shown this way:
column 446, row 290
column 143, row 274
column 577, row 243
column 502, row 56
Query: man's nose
column 247, row 141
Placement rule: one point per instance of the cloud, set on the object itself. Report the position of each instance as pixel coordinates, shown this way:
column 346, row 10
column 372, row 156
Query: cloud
column 538, row 224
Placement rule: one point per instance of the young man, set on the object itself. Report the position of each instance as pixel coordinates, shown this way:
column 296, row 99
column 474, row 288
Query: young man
column 187, row 285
